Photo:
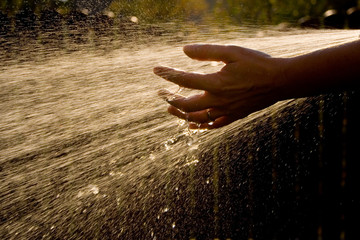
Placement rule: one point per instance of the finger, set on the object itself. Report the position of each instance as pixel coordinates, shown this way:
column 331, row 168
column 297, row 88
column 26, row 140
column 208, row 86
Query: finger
column 224, row 53
column 208, row 52
column 197, row 117
column 222, row 121
column 218, row 123
column 194, row 103
column 189, row 80
column 167, row 95
column 187, row 104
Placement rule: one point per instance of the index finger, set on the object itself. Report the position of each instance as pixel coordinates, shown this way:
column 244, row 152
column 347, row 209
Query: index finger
column 200, row 81
column 210, row 52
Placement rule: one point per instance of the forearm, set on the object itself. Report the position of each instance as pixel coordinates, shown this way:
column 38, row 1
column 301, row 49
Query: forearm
column 330, row 69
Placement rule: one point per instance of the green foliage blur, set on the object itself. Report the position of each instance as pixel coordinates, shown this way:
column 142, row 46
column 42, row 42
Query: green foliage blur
column 12, row 7
column 224, row 11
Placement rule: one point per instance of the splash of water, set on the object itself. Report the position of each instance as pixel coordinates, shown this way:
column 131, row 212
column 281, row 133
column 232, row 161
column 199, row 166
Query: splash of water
column 82, row 124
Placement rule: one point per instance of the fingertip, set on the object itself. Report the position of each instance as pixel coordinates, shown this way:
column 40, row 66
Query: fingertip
column 164, row 94
column 210, row 52
column 191, row 49
column 158, row 69
column 173, row 110
column 178, row 113
column 221, row 122
column 161, row 70
column 195, row 51
column 218, row 123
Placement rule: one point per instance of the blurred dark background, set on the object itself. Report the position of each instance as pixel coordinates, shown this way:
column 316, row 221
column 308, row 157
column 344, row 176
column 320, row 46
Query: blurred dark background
column 305, row 13
column 59, row 23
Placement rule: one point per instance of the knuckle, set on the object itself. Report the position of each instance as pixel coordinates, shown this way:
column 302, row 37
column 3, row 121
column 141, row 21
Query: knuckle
column 218, row 85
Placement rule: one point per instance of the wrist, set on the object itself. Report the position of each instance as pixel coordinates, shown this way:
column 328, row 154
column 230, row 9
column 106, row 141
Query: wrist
column 284, row 85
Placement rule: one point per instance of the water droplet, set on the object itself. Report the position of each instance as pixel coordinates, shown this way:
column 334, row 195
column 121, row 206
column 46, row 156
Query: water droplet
column 94, row 189
column 90, row 189
column 194, row 162
column 189, row 141
column 134, row 19
column 181, row 122
column 167, row 147
column 194, row 147
column 179, row 90
column 170, row 142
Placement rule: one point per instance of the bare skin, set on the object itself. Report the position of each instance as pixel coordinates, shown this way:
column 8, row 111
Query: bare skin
column 252, row 80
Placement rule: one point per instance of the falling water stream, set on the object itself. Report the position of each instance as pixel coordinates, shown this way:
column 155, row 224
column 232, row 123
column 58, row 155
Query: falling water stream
column 87, row 150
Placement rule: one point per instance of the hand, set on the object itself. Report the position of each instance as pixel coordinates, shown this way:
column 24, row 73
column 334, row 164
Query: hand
column 247, row 83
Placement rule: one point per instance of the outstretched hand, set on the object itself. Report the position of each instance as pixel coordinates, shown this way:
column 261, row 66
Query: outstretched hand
column 247, row 83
